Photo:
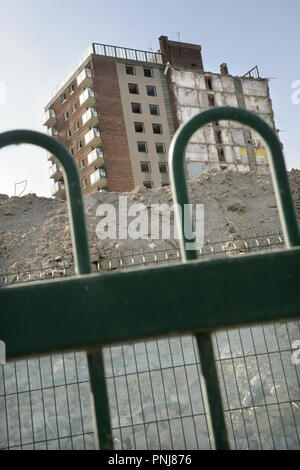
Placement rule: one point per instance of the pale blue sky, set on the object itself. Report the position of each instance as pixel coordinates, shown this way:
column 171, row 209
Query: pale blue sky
column 40, row 41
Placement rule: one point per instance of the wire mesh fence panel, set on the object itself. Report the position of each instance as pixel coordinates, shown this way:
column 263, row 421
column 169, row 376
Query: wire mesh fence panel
column 154, row 387
column 140, row 258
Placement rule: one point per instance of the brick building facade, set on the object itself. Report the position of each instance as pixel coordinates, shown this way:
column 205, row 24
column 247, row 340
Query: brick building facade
column 118, row 108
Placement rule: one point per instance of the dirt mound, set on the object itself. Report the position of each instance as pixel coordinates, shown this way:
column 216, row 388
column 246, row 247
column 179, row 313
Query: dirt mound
column 35, row 230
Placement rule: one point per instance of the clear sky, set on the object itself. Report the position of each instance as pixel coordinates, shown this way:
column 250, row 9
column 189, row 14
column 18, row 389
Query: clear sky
column 41, row 40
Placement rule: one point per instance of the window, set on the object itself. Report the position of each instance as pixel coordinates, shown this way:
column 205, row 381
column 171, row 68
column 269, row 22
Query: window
column 216, row 123
column 165, row 184
column 79, row 144
column 163, row 167
column 66, row 115
column 221, row 155
column 102, row 172
column 151, row 90
column 145, row 167
column 63, row 97
column 154, row 109
column 133, row 88
column 84, row 183
column 160, row 148
column 72, row 151
column 136, row 108
column 139, row 127
column 148, row 184
column 157, row 129
column 76, row 126
column 81, row 163
column 74, row 107
column 72, row 88
column 218, row 137
column 148, row 72
column 211, row 100
column 130, row 69
column 69, row 134
column 142, row 147
column 208, row 83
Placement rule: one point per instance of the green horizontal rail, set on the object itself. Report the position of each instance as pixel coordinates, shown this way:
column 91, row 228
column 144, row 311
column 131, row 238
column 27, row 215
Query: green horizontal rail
column 90, row 311
column 81, row 261
column 82, row 313
column 210, row 382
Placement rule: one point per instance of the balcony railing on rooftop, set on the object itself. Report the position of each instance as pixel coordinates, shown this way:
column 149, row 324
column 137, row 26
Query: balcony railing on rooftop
column 253, row 73
column 109, row 51
column 126, row 53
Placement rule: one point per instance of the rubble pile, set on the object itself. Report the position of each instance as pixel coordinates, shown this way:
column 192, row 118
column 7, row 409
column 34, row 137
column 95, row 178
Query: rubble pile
column 35, row 231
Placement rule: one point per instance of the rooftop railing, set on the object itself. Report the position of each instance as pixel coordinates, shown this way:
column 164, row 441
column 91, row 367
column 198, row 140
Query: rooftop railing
column 128, row 54
column 109, row 51
column 253, row 73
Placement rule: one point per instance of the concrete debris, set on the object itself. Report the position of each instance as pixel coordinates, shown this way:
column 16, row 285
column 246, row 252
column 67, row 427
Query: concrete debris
column 235, row 204
column 37, row 231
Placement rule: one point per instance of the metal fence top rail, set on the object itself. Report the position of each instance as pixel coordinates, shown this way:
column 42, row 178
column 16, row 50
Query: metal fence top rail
column 138, row 257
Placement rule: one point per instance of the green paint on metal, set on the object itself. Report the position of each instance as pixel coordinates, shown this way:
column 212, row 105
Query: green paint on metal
column 211, row 393
column 212, row 398
column 73, row 189
column 100, row 404
column 90, row 311
column 80, row 249
column 277, row 166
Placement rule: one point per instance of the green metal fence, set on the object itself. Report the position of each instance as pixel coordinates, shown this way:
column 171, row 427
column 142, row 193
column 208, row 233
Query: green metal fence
column 90, row 311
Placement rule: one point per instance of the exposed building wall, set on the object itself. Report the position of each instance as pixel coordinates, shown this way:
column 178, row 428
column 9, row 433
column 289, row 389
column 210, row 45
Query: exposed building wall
column 228, row 144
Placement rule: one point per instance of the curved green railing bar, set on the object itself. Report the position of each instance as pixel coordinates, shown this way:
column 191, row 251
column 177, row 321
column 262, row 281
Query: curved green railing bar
column 209, row 378
column 82, row 263
column 72, row 185
column 277, row 166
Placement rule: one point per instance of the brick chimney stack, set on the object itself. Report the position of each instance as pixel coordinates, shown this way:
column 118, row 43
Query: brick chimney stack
column 181, row 54
column 224, row 69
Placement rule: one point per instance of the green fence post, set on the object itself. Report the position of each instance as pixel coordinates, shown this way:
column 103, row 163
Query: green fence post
column 81, row 260
column 212, row 395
